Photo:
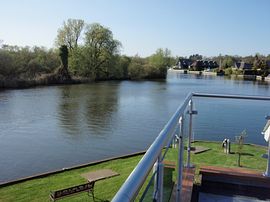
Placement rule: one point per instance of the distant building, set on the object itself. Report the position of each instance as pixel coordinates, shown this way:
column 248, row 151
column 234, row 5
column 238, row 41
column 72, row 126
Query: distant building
column 243, row 65
column 204, row 64
column 183, row 63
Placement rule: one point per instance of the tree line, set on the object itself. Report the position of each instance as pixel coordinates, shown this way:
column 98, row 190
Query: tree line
column 90, row 51
column 83, row 51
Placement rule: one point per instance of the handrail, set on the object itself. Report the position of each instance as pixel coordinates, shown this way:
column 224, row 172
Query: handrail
column 231, row 96
column 134, row 182
column 136, row 179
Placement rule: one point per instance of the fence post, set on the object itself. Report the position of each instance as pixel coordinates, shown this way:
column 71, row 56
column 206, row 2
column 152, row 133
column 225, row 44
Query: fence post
column 190, row 112
column 158, row 191
column 180, row 159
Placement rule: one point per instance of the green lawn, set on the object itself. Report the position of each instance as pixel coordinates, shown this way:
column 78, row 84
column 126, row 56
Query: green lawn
column 39, row 189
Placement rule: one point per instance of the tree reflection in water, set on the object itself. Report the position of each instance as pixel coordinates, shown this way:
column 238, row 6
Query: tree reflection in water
column 88, row 109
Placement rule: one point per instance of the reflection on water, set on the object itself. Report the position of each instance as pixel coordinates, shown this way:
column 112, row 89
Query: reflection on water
column 48, row 128
column 84, row 108
column 69, row 111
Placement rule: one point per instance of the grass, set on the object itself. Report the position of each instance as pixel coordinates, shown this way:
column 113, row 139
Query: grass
column 39, row 189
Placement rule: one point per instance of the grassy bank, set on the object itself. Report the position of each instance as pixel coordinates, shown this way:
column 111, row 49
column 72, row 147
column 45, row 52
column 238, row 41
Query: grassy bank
column 39, row 189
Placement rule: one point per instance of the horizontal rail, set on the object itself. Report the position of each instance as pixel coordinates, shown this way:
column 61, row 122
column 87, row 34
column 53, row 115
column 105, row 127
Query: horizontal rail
column 136, row 179
column 243, row 97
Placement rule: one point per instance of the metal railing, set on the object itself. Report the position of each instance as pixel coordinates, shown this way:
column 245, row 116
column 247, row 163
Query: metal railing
column 153, row 155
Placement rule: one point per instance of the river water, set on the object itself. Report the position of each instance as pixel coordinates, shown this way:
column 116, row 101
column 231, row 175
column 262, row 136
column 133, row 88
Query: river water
column 48, row 128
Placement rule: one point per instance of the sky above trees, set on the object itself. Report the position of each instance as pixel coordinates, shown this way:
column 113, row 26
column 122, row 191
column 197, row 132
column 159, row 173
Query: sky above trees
column 207, row 27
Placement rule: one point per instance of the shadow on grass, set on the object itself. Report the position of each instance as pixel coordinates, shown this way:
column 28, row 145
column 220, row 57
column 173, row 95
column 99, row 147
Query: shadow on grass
column 243, row 154
column 100, row 200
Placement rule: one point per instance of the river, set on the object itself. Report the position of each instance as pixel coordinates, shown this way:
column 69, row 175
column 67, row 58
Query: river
column 48, row 128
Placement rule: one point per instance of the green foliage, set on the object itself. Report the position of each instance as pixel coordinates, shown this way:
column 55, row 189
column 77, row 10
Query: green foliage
column 152, row 67
column 69, row 33
column 123, row 64
column 159, row 63
column 228, row 71
column 195, row 57
column 63, row 53
column 260, row 65
column 25, row 62
column 136, row 68
column 232, row 71
column 227, row 62
column 101, row 48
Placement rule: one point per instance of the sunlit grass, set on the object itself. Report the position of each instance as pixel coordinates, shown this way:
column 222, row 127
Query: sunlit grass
column 39, row 189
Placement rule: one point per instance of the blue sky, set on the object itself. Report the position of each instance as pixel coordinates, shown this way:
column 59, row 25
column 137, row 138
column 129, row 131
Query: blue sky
column 207, row 27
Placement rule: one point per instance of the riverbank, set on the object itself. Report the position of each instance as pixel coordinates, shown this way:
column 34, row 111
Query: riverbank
column 236, row 77
column 49, row 80
column 45, row 80
column 39, row 189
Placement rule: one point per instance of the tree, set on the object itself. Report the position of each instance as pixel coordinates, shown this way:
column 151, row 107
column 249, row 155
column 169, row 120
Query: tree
column 62, row 73
column 63, row 53
column 227, row 62
column 261, row 65
column 195, row 57
column 123, row 63
column 136, row 69
column 158, row 63
column 69, row 33
column 100, row 47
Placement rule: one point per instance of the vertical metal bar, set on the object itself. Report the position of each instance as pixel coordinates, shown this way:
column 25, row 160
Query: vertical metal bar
column 155, row 170
column 267, row 172
column 160, row 179
column 158, row 191
column 189, row 132
column 180, row 159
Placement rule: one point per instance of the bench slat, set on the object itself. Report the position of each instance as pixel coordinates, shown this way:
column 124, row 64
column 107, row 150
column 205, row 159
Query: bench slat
column 87, row 187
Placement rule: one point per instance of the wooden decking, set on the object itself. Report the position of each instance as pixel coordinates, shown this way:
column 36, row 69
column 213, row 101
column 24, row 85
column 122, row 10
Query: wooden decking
column 187, row 185
column 234, row 181
column 239, row 176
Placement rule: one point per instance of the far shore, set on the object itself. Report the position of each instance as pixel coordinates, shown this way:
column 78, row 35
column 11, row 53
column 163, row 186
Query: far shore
column 208, row 73
column 30, row 83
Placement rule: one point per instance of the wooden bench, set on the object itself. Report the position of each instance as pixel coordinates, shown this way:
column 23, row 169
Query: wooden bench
column 91, row 177
column 239, row 176
column 59, row 194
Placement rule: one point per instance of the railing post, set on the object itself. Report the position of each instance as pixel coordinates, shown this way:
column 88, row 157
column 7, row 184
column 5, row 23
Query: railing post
column 267, row 172
column 189, row 132
column 158, row 191
column 180, row 158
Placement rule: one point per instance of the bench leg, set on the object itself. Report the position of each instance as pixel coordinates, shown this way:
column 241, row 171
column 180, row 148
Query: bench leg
column 92, row 192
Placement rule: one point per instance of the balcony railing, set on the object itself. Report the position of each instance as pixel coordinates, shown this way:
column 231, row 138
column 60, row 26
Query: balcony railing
column 153, row 158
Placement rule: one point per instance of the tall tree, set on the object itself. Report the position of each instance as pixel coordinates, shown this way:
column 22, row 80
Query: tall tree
column 63, row 53
column 62, row 73
column 69, row 33
column 159, row 62
column 100, row 47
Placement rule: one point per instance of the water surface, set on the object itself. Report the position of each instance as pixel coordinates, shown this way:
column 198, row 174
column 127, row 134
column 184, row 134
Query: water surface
column 48, row 128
